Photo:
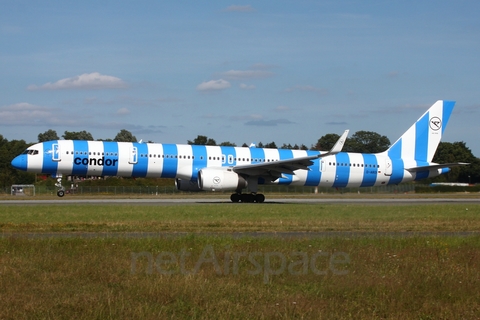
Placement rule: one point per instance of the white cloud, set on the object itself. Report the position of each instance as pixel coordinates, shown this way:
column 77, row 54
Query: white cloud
column 282, row 108
column 234, row 8
column 214, row 85
column 93, row 80
column 246, row 86
column 24, row 113
column 123, row 111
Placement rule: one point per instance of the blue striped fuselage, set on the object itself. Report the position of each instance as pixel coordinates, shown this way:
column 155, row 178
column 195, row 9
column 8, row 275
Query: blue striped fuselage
column 100, row 158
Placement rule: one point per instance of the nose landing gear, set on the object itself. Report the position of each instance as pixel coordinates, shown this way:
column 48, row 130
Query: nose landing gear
column 61, row 190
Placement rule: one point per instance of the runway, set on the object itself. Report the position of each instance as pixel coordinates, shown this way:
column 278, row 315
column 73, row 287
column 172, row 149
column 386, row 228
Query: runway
column 191, row 201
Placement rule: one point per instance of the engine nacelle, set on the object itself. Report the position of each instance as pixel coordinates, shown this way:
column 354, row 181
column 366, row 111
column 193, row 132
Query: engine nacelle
column 187, row 185
column 217, row 179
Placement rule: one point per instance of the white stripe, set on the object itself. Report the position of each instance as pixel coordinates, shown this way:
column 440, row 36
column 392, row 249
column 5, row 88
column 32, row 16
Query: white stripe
column 124, row 168
column 155, row 163
column 185, row 165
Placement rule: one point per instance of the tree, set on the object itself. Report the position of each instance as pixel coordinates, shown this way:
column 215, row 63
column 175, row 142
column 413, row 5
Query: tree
column 303, row 147
column 448, row 152
column 81, row 135
column 125, row 136
column 228, row 144
column 366, row 142
column 9, row 175
column 48, row 136
column 326, row 142
column 203, row 141
column 270, row 145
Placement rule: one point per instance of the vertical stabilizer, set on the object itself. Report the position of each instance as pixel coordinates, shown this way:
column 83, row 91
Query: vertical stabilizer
column 421, row 140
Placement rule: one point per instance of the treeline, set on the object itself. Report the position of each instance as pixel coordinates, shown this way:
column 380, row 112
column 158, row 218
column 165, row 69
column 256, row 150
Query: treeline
column 8, row 174
column 360, row 141
column 122, row 136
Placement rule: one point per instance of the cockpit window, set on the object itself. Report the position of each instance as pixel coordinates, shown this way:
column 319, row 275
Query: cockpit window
column 30, row 152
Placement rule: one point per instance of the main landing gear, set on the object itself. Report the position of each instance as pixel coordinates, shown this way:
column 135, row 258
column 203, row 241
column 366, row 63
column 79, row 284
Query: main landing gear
column 61, row 190
column 247, row 197
column 252, row 183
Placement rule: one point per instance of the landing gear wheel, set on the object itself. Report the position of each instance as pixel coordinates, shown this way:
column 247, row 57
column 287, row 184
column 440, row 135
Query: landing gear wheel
column 247, row 197
column 235, row 197
column 259, row 198
column 60, row 193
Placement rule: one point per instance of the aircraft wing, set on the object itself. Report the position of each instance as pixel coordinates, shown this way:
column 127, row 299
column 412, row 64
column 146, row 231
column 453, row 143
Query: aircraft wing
column 275, row 169
column 436, row 166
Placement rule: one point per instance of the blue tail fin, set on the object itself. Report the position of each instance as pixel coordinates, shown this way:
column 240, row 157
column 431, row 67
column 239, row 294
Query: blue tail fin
column 421, row 140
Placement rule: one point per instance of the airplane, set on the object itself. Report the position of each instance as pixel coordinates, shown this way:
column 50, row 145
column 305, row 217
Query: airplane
column 225, row 168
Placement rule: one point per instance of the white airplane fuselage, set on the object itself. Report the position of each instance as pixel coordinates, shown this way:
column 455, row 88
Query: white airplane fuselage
column 125, row 159
column 198, row 167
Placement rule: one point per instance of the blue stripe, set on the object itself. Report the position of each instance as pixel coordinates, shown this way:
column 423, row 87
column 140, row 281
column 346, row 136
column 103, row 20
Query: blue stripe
column 199, row 159
column 284, row 155
column 80, row 149
column 49, row 166
column 395, row 151
column 447, row 111
column 313, row 175
column 421, row 138
column 110, row 153
column 170, row 161
column 140, row 168
column 397, row 171
column 342, row 171
column 257, row 153
column 395, row 154
column 421, row 175
column 369, row 170
column 229, row 152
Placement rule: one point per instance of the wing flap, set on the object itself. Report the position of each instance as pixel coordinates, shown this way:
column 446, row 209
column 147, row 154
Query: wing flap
column 275, row 169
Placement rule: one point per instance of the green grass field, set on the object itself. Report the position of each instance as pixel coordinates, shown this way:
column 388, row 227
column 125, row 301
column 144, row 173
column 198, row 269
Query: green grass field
column 210, row 274
column 225, row 217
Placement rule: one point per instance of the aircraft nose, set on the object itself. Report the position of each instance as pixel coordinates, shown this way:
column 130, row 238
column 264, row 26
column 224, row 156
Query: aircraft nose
column 20, row 162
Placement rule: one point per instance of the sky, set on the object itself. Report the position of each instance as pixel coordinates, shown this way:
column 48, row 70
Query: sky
column 261, row 71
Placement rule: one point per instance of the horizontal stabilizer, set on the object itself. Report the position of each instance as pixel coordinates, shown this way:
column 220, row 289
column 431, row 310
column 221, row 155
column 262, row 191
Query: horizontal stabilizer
column 436, row 166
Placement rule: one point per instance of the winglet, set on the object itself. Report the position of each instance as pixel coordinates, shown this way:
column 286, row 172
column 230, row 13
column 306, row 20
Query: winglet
column 338, row 145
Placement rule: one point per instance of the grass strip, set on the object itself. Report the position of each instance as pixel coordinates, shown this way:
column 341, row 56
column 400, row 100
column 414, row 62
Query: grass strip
column 388, row 278
column 239, row 218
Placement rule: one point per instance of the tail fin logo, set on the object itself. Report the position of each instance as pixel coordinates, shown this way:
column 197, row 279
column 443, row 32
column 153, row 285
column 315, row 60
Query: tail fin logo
column 435, row 123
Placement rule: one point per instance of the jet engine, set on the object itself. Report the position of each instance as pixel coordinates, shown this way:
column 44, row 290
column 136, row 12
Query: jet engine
column 187, row 185
column 217, row 179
